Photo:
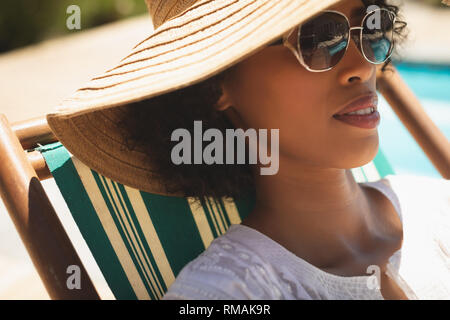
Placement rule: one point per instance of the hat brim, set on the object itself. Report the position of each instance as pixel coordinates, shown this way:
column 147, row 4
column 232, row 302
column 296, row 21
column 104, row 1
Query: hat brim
column 204, row 40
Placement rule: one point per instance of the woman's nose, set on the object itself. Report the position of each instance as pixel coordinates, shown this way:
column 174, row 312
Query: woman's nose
column 354, row 65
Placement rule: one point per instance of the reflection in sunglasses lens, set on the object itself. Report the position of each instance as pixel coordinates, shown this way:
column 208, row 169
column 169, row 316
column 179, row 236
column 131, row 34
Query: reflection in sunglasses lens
column 377, row 37
column 323, row 40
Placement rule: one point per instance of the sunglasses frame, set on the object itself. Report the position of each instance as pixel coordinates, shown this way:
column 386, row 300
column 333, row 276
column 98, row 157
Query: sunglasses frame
column 297, row 52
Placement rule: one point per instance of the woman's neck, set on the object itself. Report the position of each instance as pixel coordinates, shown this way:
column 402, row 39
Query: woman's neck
column 321, row 213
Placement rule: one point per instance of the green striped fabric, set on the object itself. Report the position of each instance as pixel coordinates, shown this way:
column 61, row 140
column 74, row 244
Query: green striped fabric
column 139, row 240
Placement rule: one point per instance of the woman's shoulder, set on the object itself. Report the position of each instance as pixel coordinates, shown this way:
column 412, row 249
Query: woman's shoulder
column 418, row 184
column 425, row 205
column 407, row 190
column 420, row 191
column 228, row 269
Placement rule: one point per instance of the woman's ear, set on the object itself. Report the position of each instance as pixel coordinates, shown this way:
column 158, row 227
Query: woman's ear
column 224, row 101
column 225, row 104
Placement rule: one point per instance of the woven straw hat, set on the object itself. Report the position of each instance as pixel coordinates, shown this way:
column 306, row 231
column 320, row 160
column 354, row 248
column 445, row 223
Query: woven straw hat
column 192, row 41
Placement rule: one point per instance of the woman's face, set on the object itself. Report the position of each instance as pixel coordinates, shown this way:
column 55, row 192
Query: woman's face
column 271, row 90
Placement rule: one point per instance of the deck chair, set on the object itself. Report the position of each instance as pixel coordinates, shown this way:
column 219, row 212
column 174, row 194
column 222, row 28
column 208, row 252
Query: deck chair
column 139, row 240
column 148, row 237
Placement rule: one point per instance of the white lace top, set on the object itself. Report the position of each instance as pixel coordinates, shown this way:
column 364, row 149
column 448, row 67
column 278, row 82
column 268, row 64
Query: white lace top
column 245, row 264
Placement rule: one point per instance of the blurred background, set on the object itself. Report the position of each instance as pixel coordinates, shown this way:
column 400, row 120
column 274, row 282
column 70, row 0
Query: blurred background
column 42, row 61
column 24, row 22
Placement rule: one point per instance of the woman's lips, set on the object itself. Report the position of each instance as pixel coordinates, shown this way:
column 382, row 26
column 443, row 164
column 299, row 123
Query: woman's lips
column 366, row 121
column 363, row 102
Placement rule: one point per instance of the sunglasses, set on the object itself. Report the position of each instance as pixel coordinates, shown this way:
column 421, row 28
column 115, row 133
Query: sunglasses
column 322, row 41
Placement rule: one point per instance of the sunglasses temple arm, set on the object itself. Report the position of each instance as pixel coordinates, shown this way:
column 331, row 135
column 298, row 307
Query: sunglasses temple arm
column 294, row 50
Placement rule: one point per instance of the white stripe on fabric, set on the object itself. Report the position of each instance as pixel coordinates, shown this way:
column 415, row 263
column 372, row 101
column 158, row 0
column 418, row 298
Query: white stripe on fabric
column 110, row 228
column 150, row 234
column 201, row 221
column 130, row 233
column 155, row 280
column 371, row 171
column 357, row 174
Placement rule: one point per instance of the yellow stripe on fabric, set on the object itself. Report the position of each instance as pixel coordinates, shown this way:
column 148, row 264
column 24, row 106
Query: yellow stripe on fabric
column 150, row 234
column 110, row 228
column 371, row 171
column 222, row 213
column 212, row 217
column 232, row 211
column 201, row 221
column 213, row 209
column 130, row 232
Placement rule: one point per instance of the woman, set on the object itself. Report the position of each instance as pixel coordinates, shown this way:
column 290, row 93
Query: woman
column 314, row 233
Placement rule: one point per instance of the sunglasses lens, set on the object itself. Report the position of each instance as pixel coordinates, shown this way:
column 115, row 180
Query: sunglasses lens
column 378, row 36
column 323, row 40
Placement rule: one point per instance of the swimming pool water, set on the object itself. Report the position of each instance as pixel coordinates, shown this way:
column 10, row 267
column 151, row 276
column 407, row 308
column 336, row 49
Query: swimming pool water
column 431, row 84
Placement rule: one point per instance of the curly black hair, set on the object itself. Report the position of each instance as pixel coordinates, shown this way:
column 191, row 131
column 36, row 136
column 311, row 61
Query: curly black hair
column 150, row 123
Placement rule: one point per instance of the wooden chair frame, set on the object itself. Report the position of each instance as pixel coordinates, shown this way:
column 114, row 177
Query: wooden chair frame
column 41, row 231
